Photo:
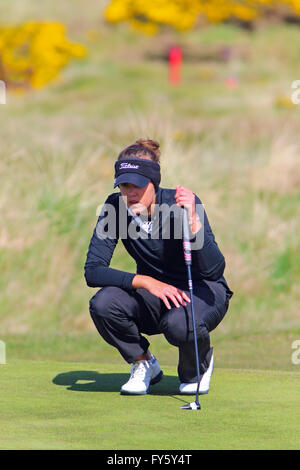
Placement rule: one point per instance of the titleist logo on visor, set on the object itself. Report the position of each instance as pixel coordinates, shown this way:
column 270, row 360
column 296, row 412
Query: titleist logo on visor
column 129, row 166
column 142, row 166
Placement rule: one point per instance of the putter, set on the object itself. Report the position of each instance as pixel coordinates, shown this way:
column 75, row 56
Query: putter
column 195, row 405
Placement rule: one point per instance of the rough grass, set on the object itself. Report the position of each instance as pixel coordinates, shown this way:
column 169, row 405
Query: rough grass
column 236, row 148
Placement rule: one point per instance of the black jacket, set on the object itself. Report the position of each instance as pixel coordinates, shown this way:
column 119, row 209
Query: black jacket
column 159, row 257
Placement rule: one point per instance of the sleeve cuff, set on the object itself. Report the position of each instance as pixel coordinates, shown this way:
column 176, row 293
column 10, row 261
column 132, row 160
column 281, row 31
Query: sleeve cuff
column 127, row 281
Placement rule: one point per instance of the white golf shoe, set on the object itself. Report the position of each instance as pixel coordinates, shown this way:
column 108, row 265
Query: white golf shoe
column 191, row 388
column 143, row 374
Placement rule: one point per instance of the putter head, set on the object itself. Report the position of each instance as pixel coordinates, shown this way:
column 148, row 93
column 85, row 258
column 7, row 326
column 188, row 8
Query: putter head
column 191, row 406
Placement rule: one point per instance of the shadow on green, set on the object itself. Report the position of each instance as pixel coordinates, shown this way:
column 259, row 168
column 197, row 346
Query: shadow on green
column 91, row 381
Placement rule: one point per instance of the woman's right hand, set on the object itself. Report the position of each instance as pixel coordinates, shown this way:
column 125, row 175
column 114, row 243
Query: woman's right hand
column 161, row 289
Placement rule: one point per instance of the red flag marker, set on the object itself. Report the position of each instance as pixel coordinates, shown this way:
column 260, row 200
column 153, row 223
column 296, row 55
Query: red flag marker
column 175, row 60
column 232, row 83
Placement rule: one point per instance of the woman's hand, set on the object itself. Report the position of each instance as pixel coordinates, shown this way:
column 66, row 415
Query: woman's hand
column 161, row 289
column 186, row 198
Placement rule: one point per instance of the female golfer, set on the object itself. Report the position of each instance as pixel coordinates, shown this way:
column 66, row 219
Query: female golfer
column 154, row 299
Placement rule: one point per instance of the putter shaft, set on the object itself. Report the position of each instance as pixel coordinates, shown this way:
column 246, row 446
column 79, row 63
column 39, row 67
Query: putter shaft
column 188, row 261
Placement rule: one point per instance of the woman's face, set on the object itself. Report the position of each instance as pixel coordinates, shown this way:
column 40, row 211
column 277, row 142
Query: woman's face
column 138, row 199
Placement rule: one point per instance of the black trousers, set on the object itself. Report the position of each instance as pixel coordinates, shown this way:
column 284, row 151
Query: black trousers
column 122, row 317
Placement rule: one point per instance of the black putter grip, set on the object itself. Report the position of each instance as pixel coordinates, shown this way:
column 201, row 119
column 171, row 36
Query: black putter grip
column 187, row 250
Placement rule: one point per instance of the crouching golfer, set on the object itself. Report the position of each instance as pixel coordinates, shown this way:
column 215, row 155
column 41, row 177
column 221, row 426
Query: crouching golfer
column 155, row 299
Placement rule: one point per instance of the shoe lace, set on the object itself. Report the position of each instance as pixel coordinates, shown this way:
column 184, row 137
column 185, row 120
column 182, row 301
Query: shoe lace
column 139, row 370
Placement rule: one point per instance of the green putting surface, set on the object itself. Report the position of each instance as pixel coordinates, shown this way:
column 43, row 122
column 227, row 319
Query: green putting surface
column 67, row 405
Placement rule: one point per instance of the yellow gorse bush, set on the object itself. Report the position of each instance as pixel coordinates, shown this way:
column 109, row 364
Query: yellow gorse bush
column 32, row 54
column 184, row 14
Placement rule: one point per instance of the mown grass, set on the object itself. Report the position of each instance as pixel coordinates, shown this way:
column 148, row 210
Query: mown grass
column 260, row 350
column 61, row 405
column 236, row 148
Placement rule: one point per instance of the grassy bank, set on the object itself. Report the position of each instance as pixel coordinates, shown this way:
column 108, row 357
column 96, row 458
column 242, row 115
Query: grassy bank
column 236, row 148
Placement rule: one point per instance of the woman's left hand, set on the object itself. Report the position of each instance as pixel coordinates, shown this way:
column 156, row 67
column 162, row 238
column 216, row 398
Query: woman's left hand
column 185, row 197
